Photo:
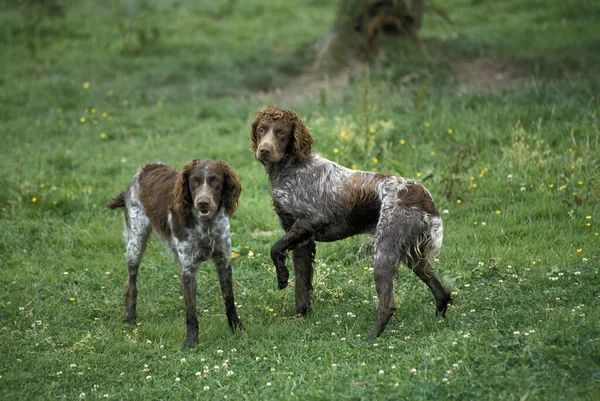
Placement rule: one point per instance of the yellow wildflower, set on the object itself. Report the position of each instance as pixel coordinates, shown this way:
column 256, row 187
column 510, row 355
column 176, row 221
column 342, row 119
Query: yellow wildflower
column 449, row 130
column 371, row 130
column 82, row 119
column 579, row 250
column 125, row 102
column 42, row 185
column 234, row 255
column 104, row 115
column 579, row 182
column 427, row 125
column 34, row 199
column 497, row 211
column 588, row 217
column 72, row 299
column 458, row 201
column 336, row 150
column 374, row 159
column 402, row 141
column 86, row 85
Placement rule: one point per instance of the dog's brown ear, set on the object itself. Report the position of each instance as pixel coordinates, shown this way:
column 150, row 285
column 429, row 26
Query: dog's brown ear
column 183, row 197
column 233, row 189
column 303, row 140
column 252, row 134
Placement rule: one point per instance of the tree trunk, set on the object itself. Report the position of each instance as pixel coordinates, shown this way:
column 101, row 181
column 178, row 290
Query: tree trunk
column 358, row 24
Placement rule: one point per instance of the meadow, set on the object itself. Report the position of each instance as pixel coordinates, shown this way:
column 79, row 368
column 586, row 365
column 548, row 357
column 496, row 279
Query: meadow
column 501, row 121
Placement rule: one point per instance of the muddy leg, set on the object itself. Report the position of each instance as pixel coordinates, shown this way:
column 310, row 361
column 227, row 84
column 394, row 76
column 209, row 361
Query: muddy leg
column 303, row 257
column 425, row 272
column 385, row 265
column 188, row 288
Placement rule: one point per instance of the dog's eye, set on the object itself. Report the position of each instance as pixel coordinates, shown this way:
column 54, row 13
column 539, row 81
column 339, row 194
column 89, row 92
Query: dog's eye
column 194, row 180
column 281, row 133
column 214, row 180
column 260, row 130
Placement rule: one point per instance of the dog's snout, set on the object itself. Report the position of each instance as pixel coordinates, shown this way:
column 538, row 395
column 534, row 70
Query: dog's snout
column 203, row 202
column 264, row 151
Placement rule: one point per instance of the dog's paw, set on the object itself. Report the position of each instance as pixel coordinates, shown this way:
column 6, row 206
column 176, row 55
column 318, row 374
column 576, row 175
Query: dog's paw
column 282, row 284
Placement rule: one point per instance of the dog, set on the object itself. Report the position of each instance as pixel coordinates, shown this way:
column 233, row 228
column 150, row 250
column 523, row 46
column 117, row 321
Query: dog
column 190, row 213
column 319, row 200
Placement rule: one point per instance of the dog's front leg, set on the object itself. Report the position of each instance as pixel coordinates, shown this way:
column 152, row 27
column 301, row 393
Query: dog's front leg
column 299, row 232
column 223, row 265
column 188, row 288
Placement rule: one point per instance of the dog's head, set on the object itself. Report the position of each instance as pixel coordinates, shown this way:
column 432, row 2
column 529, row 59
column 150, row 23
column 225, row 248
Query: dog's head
column 204, row 186
column 278, row 132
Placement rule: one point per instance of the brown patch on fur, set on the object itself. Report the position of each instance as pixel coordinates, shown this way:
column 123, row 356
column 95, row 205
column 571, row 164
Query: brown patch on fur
column 362, row 188
column 156, row 193
column 416, row 195
column 303, row 139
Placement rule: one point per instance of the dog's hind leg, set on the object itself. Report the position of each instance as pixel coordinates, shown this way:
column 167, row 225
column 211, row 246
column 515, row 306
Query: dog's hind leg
column 385, row 264
column 303, row 257
column 421, row 266
column 137, row 231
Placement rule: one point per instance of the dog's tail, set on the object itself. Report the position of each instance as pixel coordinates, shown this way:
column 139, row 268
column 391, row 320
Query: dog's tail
column 117, row 202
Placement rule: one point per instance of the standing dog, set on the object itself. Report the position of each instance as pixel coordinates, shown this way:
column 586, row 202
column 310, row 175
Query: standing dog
column 189, row 211
column 319, row 200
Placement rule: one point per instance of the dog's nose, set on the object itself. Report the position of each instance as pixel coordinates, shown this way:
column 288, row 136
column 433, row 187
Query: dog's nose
column 264, row 151
column 202, row 204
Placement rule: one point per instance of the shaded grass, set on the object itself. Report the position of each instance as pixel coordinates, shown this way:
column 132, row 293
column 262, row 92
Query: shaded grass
column 518, row 252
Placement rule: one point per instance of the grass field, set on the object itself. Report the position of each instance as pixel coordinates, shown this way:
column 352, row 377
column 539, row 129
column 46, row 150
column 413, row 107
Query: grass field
column 501, row 123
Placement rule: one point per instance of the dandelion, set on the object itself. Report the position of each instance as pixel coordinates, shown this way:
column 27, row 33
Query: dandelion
column 58, row 109
column 533, row 262
column 449, row 131
column 427, row 125
column 82, row 119
column 509, row 177
column 125, row 102
column 250, row 254
column 103, row 135
column 93, row 110
column 497, row 212
column 586, row 217
column 402, row 142
column 34, row 199
column 270, row 310
column 596, row 234
column 371, row 130
column 475, row 223
column 234, row 255
column 374, row 159
column 336, row 150
column 44, row 185
column 353, row 166
column 459, row 201
column 86, row 85
column 550, row 185
column 432, row 153
column 418, row 174
column 104, row 114
column 579, row 250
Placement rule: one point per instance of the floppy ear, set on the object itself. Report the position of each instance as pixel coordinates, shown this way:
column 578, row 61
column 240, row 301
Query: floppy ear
column 303, row 140
column 252, row 134
column 233, row 189
column 183, row 197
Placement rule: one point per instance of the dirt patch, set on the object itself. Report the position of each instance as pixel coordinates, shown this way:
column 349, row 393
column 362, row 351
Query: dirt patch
column 487, row 74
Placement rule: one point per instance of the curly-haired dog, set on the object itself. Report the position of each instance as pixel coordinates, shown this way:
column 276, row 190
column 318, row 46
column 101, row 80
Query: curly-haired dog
column 319, row 200
column 189, row 211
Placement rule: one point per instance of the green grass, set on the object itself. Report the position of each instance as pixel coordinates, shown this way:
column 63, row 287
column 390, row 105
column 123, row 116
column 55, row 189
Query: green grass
column 518, row 179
